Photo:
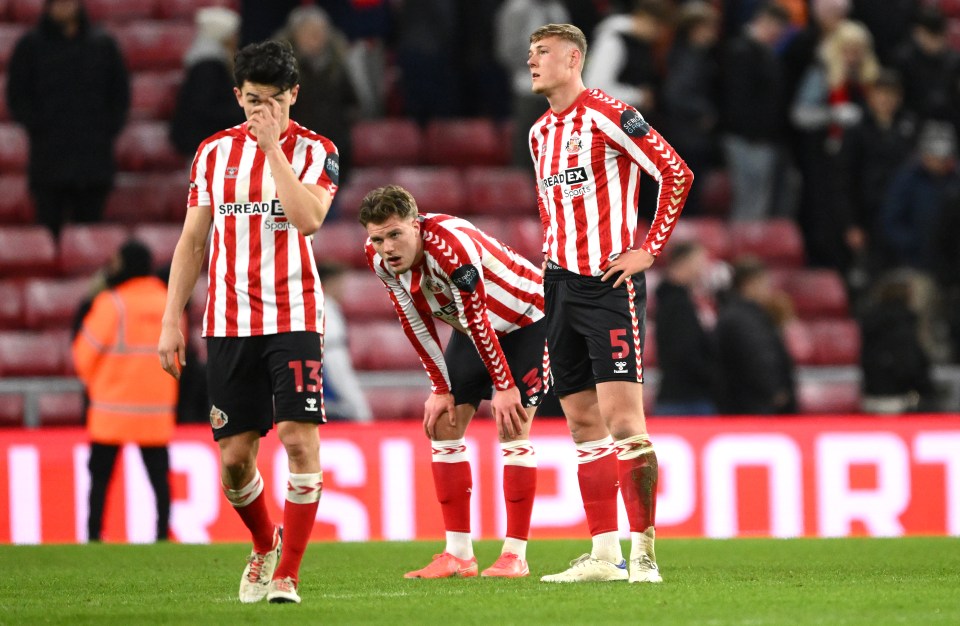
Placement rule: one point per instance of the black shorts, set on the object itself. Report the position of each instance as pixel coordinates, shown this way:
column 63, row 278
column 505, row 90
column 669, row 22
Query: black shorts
column 254, row 381
column 523, row 348
column 595, row 333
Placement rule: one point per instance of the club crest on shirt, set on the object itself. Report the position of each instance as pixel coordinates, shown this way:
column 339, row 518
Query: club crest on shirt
column 432, row 285
column 218, row 419
column 574, row 144
column 231, row 172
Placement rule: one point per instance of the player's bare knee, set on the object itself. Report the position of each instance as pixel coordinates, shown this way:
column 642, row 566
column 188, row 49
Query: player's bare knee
column 300, row 440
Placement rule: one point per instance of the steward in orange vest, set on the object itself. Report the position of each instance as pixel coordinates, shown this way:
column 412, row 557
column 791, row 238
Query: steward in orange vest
column 131, row 399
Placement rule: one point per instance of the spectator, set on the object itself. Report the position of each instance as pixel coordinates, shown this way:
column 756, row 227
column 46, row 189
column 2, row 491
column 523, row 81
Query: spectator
column 752, row 108
column 947, row 267
column 68, row 87
column 888, row 21
column 929, row 67
column 515, row 20
column 896, row 368
column 343, row 396
column 757, row 369
column 622, row 62
column 830, row 99
column 800, row 50
column 131, row 399
column 689, row 370
column 426, row 34
column 205, row 103
column 691, row 92
column 328, row 102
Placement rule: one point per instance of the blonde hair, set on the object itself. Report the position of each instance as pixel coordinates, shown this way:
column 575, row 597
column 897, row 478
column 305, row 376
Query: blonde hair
column 849, row 33
column 567, row 32
column 384, row 202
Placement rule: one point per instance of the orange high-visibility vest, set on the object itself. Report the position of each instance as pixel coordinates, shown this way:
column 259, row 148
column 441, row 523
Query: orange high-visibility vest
column 115, row 353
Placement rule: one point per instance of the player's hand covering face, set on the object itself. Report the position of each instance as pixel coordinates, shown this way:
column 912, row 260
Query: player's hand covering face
column 267, row 109
column 398, row 242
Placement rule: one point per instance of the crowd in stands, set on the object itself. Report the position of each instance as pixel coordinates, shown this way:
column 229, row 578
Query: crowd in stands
column 821, row 230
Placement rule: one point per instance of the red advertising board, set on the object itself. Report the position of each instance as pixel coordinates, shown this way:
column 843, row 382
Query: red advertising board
column 823, row 476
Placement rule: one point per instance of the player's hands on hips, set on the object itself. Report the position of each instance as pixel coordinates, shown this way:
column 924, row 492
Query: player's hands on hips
column 172, row 350
column 629, row 263
column 509, row 412
column 264, row 122
column 434, row 408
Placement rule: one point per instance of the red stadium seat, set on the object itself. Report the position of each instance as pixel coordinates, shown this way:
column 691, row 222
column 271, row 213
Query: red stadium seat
column 16, row 205
column 361, row 182
column 145, row 146
column 499, row 191
column 153, row 95
column 365, row 297
column 14, row 149
column 799, row 341
column 173, row 188
column 523, row 234
column 137, row 198
column 710, row 232
column 817, row 293
column 716, row 192
column 52, row 303
column 10, row 34
column 154, row 44
column 821, row 397
column 26, row 353
column 382, row 345
column 398, row 403
column 184, row 9
column 25, row 11
column 836, row 342
column 465, row 142
column 161, row 239
column 341, row 241
column 4, row 112
column 86, row 248
column 11, row 305
column 386, row 142
column 119, row 11
column 950, row 8
column 27, row 251
column 62, row 409
column 11, row 410
column 436, row 189
column 776, row 241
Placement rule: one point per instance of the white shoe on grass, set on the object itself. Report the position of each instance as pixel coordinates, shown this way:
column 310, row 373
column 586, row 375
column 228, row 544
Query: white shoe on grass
column 283, row 590
column 644, row 570
column 259, row 570
column 588, row 569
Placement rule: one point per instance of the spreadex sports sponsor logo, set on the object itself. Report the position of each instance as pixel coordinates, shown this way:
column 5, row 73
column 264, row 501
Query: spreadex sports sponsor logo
column 575, row 178
column 272, row 208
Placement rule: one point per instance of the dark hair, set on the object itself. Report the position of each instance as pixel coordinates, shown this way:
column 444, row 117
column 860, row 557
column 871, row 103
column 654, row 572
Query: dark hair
column 774, row 11
column 382, row 203
column 267, row 63
column 136, row 261
column 888, row 79
column 680, row 251
column 931, row 20
column 745, row 269
column 657, row 9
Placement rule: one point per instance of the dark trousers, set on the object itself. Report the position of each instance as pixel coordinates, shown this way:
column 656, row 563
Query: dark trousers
column 58, row 204
column 102, row 460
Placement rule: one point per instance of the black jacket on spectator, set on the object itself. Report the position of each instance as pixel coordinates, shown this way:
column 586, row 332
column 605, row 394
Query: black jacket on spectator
column 753, row 99
column 893, row 361
column 72, row 96
column 757, row 370
column 686, row 352
column 929, row 81
column 205, row 105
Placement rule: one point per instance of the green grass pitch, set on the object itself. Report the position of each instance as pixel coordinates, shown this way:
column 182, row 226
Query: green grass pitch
column 707, row 582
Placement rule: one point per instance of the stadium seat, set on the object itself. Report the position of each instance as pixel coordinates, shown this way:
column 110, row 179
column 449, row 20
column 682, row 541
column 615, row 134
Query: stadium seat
column 650, row 345
column 950, row 8
column 822, row 397
column 465, row 142
column 11, row 305
column 10, row 34
column 161, row 239
column 953, row 33
column 14, row 148
column 50, row 303
column 62, row 408
column 523, row 234
column 119, row 11
column 341, row 241
column 436, row 189
column 381, row 345
column 28, row 353
column 25, row 11
column 27, row 251
column 11, row 410
column 775, row 241
column 398, row 403
column 145, row 146
column 817, row 293
column 16, row 205
column 362, row 181
column 174, row 187
column 710, row 232
column 799, row 341
column 835, row 342
column 4, row 111
column 365, row 297
column 153, row 95
column 184, row 9
column 154, row 44
column 716, row 193
column 386, row 142
column 86, row 248
column 137, row 198
column 499, row 191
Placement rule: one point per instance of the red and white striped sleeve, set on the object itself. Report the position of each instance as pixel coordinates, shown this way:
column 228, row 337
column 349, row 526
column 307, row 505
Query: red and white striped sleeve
column 322, row 166
column 643, row 145
column 458, row 258
column 419, row 328
column 203, row 162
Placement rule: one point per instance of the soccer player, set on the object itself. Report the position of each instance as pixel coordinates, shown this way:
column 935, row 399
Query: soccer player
column 588, row 150
column 265, row 186
column 443, row 267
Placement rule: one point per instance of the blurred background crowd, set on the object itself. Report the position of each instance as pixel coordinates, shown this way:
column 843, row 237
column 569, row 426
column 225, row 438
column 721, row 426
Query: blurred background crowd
column 815, row 267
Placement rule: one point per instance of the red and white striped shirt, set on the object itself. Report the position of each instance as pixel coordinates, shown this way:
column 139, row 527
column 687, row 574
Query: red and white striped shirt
column 469, row 280
column 263, row 279
column 588, row 161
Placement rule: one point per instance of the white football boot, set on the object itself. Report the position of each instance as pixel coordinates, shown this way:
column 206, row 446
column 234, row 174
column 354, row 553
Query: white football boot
column 259, row 570
column 644, row 570
column 283, row 590
column 588, row 569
